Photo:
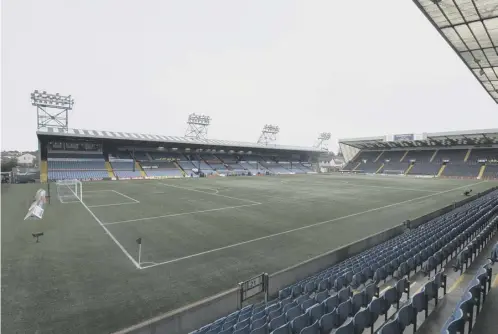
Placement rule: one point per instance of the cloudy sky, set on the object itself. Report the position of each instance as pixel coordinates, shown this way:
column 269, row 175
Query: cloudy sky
column 353, row 68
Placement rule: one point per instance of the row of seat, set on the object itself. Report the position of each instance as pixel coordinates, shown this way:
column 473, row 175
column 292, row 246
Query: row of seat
column 76, row 164
column 77, row 174
column 473, row 297
column 419, row 302
column 127, row 173
column 408, row 314
column 164, row 172
column 426, row 247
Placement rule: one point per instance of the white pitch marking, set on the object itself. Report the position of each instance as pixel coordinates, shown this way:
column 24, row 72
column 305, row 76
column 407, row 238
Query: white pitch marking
column 114, row 204
column 181, row 214
column 96, row 191
column 69, row 202
column 134, row 200
column 111, row 236
column 148, row 262
column 306, row 227
column 200, row 191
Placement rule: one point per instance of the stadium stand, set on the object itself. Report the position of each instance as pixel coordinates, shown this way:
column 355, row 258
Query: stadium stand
column 185, row 155
column 187, row 166
column 231, row 163
column 295, row 165
column 214, row 163
column 273, row 166
column 447, row 154
column 462, row 169
column 160, row 164
column 124, row 168
column 203, row 166
column 161, row 168
column 307, row 167
column 393, row 163
column 422, row 164
column 289, row 165
column 484, row 154
column 491, row 171
column 82, row 166
column 366, row 162
column 345, row 297
column 455, row 156
column 252, row 165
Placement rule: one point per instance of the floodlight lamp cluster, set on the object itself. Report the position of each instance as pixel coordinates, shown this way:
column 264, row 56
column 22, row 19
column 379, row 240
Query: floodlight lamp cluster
column 44, row 99
column 273, row 129
column 324, row 136
column 199, row 119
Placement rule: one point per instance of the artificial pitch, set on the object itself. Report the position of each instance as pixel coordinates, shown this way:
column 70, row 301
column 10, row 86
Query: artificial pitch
column 199, row 237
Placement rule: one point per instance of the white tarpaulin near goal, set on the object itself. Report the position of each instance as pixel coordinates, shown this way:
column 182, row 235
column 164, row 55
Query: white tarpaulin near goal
column 36, row 209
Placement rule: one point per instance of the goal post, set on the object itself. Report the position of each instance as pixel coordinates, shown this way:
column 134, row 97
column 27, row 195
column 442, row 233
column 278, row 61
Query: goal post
column 69, row 191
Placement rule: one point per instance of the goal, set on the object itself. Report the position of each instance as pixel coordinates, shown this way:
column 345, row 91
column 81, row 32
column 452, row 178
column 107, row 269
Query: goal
column 69, row 191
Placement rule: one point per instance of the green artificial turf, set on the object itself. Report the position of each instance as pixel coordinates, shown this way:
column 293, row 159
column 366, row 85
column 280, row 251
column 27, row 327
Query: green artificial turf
column 211, row 233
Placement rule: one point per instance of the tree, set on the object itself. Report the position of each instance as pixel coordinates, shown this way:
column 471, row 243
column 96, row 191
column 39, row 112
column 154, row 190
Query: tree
column 8, row 165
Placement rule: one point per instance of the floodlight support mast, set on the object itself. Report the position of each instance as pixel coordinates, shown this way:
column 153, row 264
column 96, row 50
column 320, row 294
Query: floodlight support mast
column 322, row 141
column 197, row 126
column 52, row 110
column 268, row 134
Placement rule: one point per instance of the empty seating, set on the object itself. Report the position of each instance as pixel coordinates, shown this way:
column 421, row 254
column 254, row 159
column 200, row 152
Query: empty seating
column 491, row 171
column 161, row 168
column 79, row 166
column 456, row 156
column 274, row 166
column 462, row 169
column 471, row 302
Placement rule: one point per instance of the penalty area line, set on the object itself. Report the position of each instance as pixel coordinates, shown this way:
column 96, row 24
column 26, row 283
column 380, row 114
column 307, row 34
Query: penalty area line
column 113, row 204
column 208, row 193
column 134, row 200
column 180, row 214
column 112, row 236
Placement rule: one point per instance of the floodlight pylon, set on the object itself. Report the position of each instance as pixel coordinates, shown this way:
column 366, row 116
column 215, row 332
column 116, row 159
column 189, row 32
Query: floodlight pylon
column 268, row 134
column 52, row 110
column 197, row 126
column 322, row 141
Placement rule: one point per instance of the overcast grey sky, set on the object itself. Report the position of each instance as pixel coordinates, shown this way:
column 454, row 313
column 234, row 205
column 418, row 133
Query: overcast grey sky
column 354, row 68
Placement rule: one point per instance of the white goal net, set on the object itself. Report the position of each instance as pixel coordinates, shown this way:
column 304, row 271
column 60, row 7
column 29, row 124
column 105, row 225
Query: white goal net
column 69, row 191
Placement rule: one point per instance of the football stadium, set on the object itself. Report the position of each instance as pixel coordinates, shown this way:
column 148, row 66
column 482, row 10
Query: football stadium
column 157, row 234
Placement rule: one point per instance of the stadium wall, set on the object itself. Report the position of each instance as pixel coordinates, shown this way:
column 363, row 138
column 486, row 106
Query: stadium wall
column 194, row 316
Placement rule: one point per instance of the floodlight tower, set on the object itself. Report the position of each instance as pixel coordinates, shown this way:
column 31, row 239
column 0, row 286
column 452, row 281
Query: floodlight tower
column 197, row 126
column 52, row 109
column 322, row 142
column 268, row 134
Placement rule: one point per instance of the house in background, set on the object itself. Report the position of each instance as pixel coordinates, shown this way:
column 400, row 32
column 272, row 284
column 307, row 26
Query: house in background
column 26, row 159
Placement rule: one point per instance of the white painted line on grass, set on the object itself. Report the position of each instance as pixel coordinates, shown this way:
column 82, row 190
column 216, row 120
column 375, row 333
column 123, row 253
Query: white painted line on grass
column 96, row 191
column 306, row 227
column 69, row 202
column 134, row 200
column 113, row 204
column 204, row 192
column 112, row 236
column 181, row 214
